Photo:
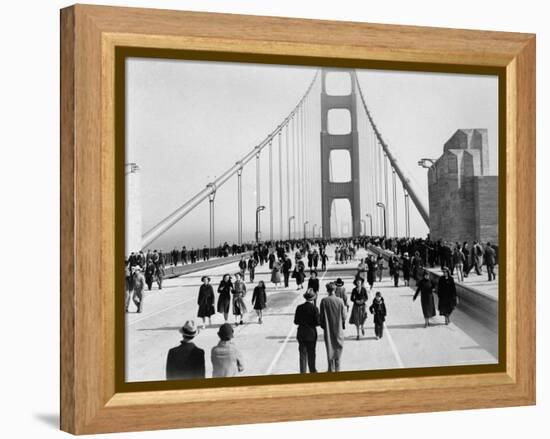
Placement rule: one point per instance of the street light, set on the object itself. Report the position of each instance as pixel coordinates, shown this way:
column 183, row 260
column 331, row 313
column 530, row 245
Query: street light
column 364, row 228
column 320, row 231
column 313, row 231
column 305, row 229
column 289, row 222
column 379, row 204
column 258, row 210
column 426, row 163
column 370, row 218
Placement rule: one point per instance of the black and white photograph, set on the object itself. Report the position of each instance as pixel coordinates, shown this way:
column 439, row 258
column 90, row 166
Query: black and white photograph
column 284, row 219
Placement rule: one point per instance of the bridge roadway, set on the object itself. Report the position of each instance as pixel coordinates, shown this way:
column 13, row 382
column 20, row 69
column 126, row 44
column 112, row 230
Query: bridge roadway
column 272, row 348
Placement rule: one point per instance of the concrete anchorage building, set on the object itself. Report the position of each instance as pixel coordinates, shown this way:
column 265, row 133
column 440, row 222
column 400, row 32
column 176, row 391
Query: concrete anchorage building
column 463, row 190
column 133, row 208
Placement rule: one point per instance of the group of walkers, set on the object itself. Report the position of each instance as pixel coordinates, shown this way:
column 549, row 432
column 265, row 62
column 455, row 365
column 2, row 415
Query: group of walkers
column 296, row 260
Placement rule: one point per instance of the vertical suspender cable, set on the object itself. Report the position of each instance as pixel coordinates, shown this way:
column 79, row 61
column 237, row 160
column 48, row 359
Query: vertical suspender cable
column 280, row 183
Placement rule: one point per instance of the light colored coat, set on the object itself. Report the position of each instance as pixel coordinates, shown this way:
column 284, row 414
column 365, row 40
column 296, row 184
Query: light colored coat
column 333, row 318
column 227, row 360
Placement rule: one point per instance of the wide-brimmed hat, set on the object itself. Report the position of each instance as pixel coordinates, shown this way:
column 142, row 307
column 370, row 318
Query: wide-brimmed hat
column 189, row 330
column 225, row 332
column 313, row 272
column 205, row 277
column 310, row 294
column 358, row 278
column 339, row 282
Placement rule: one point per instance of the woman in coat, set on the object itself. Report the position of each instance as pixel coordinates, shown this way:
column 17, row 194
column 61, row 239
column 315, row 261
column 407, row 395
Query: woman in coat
column 276, row 273
column 299, row 273
column 206, row 301
column 406, row 267
column 361, row 271
column 425, row 288
column 259, row 300
column 359, row 297
column 371, row 266
column 239, row 307
column 225, row 290
column 446, row 291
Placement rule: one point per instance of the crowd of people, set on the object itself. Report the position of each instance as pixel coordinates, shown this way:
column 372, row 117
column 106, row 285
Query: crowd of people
column 331, row 314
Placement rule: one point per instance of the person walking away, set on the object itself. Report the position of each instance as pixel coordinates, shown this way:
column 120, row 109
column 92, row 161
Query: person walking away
column 225, row 290
column 371, row 271
column 149, row 274
column 276, row 273
column 466, row 252
column 239, row 307
column 271, row 258
column 446, row 291
column 307, row 318
column 359, row 297
column 406, row 267
column 379, row 267
column 458, row 263
column 287, row 266
column 252, row 268
column 242, row 267
column 378, row 310
column 324, row 260
column 299, row 272
column 227, row 360
column 159, row 274
column 259, row 300
column 340, row 291
column 425, row 288
column 206, row 301
column 477, row 257
column 490, row 261
column 186, row 361
column 333, row 322
column 395, row 270
column 139, row 286
column 315, row 259
column 129, row 284
column 313, row 283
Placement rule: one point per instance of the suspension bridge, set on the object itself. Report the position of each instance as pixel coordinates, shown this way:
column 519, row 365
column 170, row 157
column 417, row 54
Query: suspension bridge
column 310, row 171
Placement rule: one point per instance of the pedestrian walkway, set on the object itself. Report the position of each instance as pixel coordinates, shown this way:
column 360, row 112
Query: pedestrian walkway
column 271, row 348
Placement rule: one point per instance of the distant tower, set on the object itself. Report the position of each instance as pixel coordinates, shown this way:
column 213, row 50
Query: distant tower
column 350, row 190
column 133, row 208
column 463, row 190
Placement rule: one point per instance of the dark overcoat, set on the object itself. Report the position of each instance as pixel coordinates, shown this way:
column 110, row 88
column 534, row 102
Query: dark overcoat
column 307, row 319
column 184, row 362
column 206, row 301
column 446, row 291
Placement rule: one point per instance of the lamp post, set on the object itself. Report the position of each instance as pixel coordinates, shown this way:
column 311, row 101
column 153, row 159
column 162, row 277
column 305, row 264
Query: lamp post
column 211, row 198
column 320, row 231
column 313, row 230
column 379, row 204
column 364, row 227
column 426, row 163
column 305, row 229
column 370, row 218
column 290, row 219
column 258, row 210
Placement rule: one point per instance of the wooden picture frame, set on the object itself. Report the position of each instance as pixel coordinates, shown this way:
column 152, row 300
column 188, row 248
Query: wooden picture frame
column 90, row 36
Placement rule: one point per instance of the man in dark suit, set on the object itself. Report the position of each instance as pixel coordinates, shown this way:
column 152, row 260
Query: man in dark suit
column 185, row 361
column 307, row 319
column 490, row 261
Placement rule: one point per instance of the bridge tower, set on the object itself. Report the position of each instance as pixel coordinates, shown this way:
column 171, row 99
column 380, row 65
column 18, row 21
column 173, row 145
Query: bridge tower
column 331, row 190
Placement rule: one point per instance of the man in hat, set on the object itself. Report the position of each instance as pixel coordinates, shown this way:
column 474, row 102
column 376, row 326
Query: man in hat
column 333, row 322
column 307, row 319
column 340, row 292
column 185, row 361
column 227, row 361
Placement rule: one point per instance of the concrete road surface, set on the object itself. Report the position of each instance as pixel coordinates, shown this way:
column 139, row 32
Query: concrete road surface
column 271, row 348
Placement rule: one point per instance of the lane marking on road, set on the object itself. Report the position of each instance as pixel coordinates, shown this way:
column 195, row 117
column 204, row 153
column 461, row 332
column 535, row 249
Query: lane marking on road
column 290, row 333
column 160, row 311
column 394, row 347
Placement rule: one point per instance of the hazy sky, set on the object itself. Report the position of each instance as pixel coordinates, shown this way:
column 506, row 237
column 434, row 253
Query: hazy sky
column 188, row 121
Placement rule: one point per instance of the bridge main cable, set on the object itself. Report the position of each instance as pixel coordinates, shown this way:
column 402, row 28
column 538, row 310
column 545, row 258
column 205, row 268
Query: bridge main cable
column 407, row 184
column 168, row 222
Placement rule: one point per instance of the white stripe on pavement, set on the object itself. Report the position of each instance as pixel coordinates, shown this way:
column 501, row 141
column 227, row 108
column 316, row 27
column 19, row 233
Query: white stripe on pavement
column 393, row 347
column 292, row 329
